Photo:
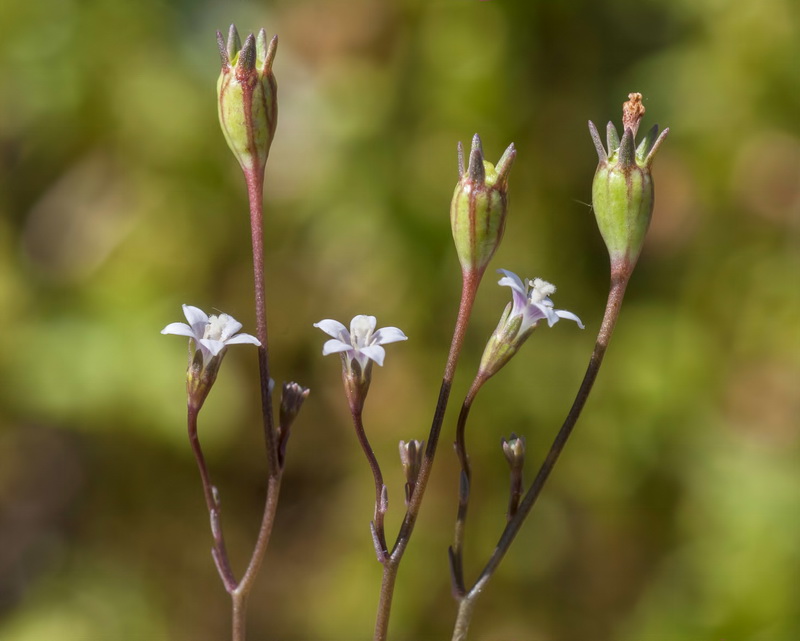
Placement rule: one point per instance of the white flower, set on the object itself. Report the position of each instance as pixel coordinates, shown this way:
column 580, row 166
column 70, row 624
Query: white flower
column 531, row 301
column 362, row 342
column 211, row 334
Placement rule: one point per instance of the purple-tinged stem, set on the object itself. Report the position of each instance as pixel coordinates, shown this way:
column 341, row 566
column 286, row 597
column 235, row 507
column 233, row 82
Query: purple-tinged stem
column 469, row 289
column 456, row 552
column 466, row 606
column 255, row 192
column 378, row 528
column 218, row 552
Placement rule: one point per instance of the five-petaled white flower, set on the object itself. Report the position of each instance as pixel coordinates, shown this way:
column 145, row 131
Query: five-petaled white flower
column 362, row 342
column 531, row 301
column 211, row 334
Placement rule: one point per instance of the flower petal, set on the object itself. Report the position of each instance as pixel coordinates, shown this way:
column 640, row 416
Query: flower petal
column 520, row 302
column 375, row 352
column 214, row 347
column 562, row 313
column 552, row 317
column 362, row 326
column 334, row 346
column 333, row 328
column 510, row 279
column 197, row 318
column 532, row 313
column 388, row 335
column 243, row 338
column 179, row 329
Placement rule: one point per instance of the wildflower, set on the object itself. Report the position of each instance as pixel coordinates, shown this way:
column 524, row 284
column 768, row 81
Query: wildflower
column 211, row 336
column 479, row 206
column 362, row 343
column 359, row 348
column 622, row 190
column 532, row 301
column 530, row 304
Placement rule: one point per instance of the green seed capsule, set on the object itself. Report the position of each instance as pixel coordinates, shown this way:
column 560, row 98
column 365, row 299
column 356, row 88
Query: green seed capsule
column 622, row 191
column 479, row 206
column 247, row 97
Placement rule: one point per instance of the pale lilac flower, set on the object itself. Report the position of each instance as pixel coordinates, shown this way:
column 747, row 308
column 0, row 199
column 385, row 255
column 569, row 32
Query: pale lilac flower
column 531, row 301
column 211, row 334
column 362, row 343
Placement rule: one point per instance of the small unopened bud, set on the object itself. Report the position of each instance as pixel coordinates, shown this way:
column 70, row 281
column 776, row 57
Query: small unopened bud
column 411, row 454
column 479, row 206
column 514, row 450
column 622, row 191
column 292, row 398
column 247, row 97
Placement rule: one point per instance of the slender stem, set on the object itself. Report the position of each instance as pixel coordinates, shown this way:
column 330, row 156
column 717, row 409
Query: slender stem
column 219, row 551
column 466, row 607
column 267, row 521
column 515, row 492
column 255, row 192
column 466, row 604
column 239, row 616
column 377, row 476
column 469, row 289
column 388, row 581
column 457, row 550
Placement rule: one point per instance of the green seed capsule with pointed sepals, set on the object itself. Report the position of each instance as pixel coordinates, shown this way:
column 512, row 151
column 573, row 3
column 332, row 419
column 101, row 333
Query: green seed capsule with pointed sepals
column 247, row 97
column 622, row 191
column 479, row 206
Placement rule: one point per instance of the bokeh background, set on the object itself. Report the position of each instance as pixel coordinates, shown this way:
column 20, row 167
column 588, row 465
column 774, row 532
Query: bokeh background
column 672, row 516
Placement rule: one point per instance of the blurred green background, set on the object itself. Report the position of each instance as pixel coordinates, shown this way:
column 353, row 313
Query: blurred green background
column 672, row 516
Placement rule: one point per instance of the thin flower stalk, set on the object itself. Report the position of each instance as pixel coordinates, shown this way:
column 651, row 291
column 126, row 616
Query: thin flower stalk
column 219, row 551
column 359, row 348
column 255, row 193
column 465, row 481
column 470, row 283
column 209, row 338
